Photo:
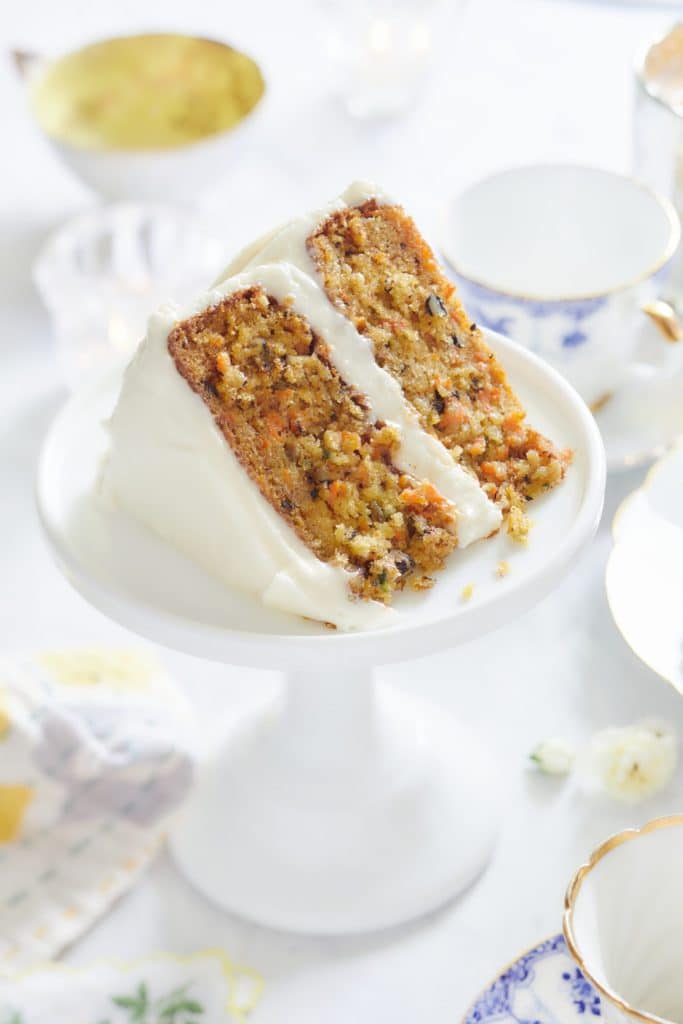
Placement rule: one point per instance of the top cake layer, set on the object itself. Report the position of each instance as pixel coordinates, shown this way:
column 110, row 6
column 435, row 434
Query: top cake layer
column 376, row 268
column 325, row 426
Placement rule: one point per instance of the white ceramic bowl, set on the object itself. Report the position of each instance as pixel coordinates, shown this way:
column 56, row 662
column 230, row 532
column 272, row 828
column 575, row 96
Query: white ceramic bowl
column 172, row 175
column 623, row 922
column 167, row 175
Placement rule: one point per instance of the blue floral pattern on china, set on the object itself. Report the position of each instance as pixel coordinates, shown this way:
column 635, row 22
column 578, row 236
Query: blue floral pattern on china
column 575, row 309
column 553, row 328
column 584, row 996
column 543, row 987
column 595, row 341
column 482, row 303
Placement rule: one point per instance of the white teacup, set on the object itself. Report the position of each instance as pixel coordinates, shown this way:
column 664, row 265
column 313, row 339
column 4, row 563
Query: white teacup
column 563, row 259
column 623, row 922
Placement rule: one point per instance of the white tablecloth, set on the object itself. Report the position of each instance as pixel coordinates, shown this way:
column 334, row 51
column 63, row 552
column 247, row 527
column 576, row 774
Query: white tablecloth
column 514, row 81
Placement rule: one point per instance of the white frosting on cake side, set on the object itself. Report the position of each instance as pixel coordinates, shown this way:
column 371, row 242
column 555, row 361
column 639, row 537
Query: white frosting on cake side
column 170, row 467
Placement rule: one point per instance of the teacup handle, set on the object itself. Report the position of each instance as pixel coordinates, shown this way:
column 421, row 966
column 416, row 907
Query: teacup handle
column 655, row 361
column 665, row 319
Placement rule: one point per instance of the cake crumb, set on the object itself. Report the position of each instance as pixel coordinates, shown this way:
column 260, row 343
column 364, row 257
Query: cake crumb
column 518, row 524
column 467, row 592
column 502, row 569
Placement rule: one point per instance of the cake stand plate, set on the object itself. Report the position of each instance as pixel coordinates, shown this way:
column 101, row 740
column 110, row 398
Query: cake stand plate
column 343, row 806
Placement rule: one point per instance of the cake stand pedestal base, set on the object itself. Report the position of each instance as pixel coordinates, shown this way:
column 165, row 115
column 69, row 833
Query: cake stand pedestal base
column 343, row 807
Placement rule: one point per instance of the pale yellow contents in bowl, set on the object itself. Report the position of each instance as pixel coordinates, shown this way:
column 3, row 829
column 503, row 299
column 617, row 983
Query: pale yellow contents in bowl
column 146, row 92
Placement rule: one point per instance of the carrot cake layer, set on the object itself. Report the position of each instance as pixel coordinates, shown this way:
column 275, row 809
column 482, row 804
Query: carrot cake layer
column 376, row 268
column 240, row 451
column 309, row 443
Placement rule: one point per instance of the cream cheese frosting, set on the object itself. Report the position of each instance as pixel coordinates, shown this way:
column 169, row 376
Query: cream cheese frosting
column 171, row 468
column 287, row 243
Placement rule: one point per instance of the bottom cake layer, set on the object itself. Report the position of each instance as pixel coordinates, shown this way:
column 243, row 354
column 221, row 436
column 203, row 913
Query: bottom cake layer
column 311, row 445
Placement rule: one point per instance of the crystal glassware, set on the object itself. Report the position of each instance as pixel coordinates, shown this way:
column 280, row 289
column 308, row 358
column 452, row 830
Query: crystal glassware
column 102, row 274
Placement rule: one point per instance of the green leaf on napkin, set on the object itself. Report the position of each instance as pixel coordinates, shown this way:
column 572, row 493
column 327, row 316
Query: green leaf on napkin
column 173, row 1008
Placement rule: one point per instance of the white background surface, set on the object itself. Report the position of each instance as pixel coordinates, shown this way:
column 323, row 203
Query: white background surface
column 513, row 81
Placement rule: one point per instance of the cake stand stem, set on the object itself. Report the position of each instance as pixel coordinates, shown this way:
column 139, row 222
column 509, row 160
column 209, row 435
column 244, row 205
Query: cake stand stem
column 336, row 710
column 344, row 806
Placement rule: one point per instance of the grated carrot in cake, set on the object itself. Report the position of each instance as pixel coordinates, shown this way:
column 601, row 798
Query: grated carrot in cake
column 382, row 275
column 310, row 444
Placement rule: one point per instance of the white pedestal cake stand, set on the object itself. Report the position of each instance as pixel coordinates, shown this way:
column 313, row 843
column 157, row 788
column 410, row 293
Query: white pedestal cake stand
column 344, row 806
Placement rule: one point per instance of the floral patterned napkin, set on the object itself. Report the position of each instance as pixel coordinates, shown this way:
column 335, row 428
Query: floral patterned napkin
column 206, row 988
column 94, row 755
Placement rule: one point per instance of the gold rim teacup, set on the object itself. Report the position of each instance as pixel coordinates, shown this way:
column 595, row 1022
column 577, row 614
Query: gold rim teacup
column 623, row 922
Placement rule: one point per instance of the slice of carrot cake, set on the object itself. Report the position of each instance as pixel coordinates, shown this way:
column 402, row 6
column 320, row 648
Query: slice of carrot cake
column 325, row 426
column 377, row 269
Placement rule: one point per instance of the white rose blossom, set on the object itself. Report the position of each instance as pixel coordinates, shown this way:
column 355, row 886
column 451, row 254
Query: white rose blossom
column 554, row 756
column 631, row 762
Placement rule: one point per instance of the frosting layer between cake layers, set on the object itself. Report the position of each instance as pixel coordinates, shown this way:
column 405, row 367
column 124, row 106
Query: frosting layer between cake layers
column 351, row 352
column 171, row 468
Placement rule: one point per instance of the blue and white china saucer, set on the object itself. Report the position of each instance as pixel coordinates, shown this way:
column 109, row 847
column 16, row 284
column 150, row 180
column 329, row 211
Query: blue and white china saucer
column 544, row 986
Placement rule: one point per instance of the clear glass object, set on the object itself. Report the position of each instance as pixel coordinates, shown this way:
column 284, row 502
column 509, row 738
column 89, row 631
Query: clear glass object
column 658, row 131
column 381, row 52
column 105, row 271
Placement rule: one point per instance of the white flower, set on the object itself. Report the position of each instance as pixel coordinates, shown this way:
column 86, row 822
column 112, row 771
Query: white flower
column 631, row 762
column 554, row 756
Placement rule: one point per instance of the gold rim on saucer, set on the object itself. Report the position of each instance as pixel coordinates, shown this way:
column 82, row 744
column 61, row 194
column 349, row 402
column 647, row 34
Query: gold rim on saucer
column 621, row 510
column 573, row 889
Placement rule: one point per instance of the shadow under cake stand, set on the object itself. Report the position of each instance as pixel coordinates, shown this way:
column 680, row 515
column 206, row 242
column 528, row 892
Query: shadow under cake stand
column 344, row 806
